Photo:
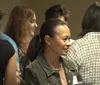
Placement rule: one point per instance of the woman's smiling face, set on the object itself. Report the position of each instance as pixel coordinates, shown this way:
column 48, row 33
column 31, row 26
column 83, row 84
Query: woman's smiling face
column 60, row 42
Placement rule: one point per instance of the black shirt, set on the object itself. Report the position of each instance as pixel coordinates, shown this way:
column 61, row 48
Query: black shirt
column 6, row 52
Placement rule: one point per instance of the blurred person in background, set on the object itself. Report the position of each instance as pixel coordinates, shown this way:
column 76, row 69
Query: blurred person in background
column 7, row 61
column 85, row 52
column 20, row 27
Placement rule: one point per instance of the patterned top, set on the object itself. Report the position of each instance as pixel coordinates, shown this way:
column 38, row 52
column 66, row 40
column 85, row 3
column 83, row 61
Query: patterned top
column 85, row 53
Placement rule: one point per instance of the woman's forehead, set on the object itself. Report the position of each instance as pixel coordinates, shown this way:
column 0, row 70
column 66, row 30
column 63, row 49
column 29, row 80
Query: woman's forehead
column 62, row 29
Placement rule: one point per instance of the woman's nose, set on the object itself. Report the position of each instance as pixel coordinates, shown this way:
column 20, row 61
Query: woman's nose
column 68, row 42
column 36, row 25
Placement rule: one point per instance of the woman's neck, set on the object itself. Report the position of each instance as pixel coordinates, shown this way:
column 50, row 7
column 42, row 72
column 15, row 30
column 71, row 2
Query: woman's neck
column 52, row 58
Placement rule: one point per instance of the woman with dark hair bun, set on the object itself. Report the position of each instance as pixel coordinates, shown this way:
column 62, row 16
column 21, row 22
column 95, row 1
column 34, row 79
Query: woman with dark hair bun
column 48, row 67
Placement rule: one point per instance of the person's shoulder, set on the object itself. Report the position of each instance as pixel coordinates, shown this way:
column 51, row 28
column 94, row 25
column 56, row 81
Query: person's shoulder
column 4, row 43
column 78, row 43
column 3, row 36
column 6, row 37
column 6, row 47
column 69, row 64
column 32, row 65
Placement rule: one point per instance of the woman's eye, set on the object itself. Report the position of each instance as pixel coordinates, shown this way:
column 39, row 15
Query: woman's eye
column 65, row 39
column 32, row 21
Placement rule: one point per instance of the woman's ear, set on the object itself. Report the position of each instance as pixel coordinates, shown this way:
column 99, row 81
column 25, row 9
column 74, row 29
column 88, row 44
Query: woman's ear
column 47, row 39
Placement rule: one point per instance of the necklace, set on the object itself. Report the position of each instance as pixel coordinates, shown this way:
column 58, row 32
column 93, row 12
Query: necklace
column 58, row 69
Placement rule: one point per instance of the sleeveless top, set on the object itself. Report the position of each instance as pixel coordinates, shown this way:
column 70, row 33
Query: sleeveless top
column 6, row 52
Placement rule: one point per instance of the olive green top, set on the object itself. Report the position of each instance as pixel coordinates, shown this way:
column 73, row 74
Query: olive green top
column 39, row 72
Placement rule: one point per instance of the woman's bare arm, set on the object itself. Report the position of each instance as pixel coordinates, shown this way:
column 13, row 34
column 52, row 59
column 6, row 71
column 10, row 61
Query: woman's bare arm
column 10, row 73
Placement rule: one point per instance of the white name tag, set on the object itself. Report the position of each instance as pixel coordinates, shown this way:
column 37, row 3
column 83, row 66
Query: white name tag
column 75, row 81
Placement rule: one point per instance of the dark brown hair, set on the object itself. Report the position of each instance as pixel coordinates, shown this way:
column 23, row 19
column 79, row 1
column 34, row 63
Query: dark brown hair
column 91, row 19
column 38, row 42
column 56, row 11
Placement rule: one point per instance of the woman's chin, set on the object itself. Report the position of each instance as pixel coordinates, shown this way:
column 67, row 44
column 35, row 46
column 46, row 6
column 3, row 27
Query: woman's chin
column 64, row 54
column 32, row 33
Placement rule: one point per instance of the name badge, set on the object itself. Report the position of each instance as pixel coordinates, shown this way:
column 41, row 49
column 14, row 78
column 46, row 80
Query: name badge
column 75, row 81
